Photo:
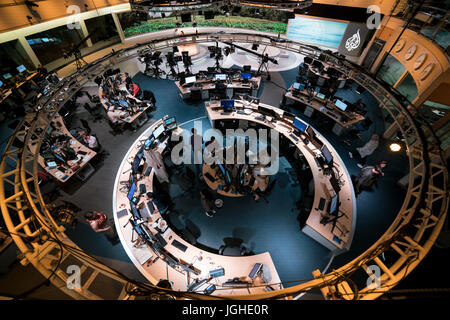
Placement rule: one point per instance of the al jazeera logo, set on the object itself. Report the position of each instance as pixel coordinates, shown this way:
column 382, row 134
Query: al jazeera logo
column 353, row 42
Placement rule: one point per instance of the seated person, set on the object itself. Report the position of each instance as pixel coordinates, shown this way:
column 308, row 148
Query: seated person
column 115, row 119
column 97, row 220
column 134, row 90
column 127, row 78
column 261, row 181
column 90, row 141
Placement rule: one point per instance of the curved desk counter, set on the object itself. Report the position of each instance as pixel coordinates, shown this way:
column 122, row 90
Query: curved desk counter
column 337, row 238
column 205, row 85
column 152, row 264
column 84, row 155
column 137, row 118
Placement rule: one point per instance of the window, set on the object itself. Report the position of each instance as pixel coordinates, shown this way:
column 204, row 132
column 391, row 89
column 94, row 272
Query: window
column 391, row 70
column 50, row 45
column 12, row 55
column 106, row 29
column 408, row 88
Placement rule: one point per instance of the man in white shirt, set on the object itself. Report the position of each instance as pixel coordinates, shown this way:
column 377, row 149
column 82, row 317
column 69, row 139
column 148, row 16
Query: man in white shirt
column 113, row 115
column 91, row 141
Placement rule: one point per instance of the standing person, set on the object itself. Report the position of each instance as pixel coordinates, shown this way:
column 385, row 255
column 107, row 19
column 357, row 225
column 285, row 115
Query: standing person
column 97, row 220
column 368, row 175
column 207, row 201
column 261, row 181
column 197, row 146
column 366, row 150
column 155, row 160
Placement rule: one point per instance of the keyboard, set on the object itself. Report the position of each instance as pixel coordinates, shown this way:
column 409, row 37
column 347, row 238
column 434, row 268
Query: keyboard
column 293, row 136
column 177, row 244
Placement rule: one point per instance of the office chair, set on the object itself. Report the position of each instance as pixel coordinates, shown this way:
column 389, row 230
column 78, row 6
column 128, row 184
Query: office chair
column 196, row 95
column 94, row 112
column 307, row 60
column 86, row 126
column 232, row 250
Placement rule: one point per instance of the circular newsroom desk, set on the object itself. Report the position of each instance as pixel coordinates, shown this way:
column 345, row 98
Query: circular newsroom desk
column 335, row 236
column 145, row 257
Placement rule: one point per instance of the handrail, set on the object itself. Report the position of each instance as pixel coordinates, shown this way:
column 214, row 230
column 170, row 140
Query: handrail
column 408, row 239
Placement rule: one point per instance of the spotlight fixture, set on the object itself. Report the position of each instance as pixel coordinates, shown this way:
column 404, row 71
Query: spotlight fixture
column 395, row 146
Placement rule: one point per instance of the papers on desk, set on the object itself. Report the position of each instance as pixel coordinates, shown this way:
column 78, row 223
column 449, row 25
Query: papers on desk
column 123, row 113
column 86, row 158
column 142, row 254
column 248, row 111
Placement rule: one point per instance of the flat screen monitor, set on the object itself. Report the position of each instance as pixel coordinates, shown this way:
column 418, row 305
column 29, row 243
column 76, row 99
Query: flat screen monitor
column 123, row 103
column 149, row 141
column 191, row 79
column 246, row 76
column 57, row 156
column 45, row 40
column 131, row 191
column 340, row 105
column 7, row 76
column 227, row 104
column 220, row 76
column 300, row 125
column 1, row 83
column 21, row 68
column 320, row 95
column 169, row 121
column 334, row 204
column 327, row 154
column 158, row 131
column 296, row 86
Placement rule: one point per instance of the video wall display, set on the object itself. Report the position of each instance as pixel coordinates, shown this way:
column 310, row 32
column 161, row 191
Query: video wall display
column 316, row 31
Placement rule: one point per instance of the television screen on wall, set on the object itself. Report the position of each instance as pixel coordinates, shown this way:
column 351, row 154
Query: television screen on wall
column 315, row 31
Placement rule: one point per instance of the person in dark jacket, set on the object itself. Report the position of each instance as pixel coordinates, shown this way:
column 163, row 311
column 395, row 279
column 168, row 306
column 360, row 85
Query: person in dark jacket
column 368, row 175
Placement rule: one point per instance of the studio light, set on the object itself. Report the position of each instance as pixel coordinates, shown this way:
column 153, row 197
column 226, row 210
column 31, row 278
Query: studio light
column 395, row 147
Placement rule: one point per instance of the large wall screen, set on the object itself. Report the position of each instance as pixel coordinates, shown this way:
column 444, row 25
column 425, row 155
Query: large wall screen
column 316, row 31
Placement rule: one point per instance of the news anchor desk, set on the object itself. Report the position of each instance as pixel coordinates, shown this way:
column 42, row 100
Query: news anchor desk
column 152, row 264
column 206, row 86
column 343, row 119
column 336, row 239
column 64, row 173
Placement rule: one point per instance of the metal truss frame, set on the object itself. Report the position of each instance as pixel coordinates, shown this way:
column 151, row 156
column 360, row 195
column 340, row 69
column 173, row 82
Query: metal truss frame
column 396, row 253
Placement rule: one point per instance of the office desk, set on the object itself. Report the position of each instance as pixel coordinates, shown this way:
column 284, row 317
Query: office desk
column 322, row 77
column 341, row 237
column 72, row 166
column 6, row 93
column 343, row 119
column 215, row 185
column 140, row 116
column 206, row 85
column 144, row 257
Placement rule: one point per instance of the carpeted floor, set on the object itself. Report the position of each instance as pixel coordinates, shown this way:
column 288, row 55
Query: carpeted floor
column 267, row 227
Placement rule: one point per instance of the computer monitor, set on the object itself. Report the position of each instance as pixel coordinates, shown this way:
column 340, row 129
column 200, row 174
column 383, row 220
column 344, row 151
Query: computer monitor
column 227, row 104
column 320, row 95
column 300, row 125
column 246, row 76
column 1, row 83
column 57, row 156
column 6, row 76
column 49, row 130
column 149, row 141
column 158, row 131
column 21, row 68
column 288, row 115
column 341, row 105
column 131, row 191
column 170, row 123
column 123, row 103
column 190, row 79
column 296, row 86
column 247, row 68
column 327, row 154
column 220, row 76
column 334, row 202
column 45, row 40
